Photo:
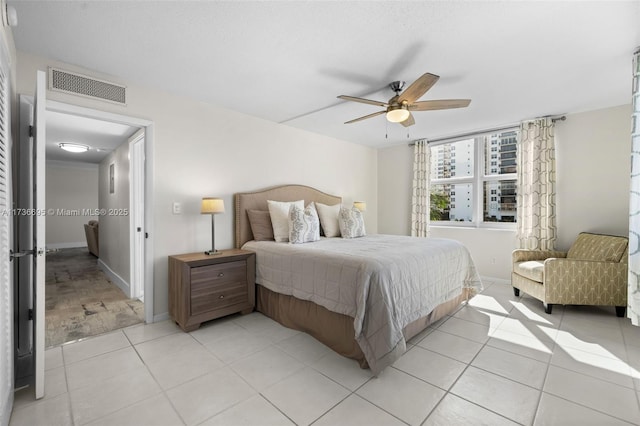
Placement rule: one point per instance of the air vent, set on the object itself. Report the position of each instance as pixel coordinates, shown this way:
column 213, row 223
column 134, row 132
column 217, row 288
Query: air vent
column 78, row 84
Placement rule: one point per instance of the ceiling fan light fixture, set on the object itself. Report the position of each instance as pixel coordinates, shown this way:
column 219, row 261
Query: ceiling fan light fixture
column 74, row 147
column 397, row 115
column 399, row 108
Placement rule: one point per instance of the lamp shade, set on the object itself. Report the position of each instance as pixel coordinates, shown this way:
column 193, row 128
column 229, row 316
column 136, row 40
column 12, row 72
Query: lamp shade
column 360, row 205
column 212, row 205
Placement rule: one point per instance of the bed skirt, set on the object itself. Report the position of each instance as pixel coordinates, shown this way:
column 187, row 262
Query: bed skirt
column 336, row 330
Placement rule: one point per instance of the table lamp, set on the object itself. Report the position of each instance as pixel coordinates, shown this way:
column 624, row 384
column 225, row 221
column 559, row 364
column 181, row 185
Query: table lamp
column 212, row 206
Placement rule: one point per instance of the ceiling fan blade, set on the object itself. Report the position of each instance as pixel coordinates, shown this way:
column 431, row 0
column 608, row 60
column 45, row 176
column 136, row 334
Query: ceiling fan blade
column 363, row 101
column 439, row 104
column 409, row 121
column 419, row 87
column 365, row 117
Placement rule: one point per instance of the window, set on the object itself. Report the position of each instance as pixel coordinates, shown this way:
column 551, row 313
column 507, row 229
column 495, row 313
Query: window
column 484, row 174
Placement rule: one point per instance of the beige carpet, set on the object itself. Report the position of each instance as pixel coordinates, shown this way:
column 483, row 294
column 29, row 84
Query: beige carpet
column 81, row 301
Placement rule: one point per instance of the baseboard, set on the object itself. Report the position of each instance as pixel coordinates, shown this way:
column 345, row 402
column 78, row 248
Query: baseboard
column 66, row 245
column 117, row 279
column 496, row 280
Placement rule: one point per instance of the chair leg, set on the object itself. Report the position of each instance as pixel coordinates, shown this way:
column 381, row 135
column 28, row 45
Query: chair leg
column 547, row 307
column 516, row 292
column 620, row 311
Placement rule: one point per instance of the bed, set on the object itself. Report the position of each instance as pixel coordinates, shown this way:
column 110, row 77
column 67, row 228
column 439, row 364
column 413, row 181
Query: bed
column 363, row 297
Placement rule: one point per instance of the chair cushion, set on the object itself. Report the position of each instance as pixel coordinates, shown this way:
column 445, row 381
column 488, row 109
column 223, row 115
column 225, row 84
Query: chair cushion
column 532, row 269
column 602, row 248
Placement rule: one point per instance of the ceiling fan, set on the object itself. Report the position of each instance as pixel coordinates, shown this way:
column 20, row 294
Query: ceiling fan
column 398, row 108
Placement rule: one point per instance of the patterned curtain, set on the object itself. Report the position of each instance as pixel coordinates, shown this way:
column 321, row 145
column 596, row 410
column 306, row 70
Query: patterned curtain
column 536, row 192
column 421, row 200
column 633, row 293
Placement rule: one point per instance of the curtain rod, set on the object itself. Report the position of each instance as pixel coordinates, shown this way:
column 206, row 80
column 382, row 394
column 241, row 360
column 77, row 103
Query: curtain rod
column 493, row 130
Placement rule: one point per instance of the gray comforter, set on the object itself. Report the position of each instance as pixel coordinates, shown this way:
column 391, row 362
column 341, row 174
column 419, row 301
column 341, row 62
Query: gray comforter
column 383, row 281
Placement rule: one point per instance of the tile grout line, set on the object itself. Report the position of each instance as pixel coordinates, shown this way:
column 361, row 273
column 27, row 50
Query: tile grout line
column 448, row 391
column 163, row 392
column 576, row 372
column 483, row 346
column 546, row 374
column 635, row 380
column 126, row 405
column 66, row 383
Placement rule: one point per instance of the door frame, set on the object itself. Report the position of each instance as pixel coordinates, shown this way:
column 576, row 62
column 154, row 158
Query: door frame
column 136, row 207
column 148, row 127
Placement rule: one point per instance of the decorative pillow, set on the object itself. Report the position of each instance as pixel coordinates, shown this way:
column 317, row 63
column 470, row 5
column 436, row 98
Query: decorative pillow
column 351, row 223
column 261, row 227
column 304, row 225
column 279, row 211
column 329, row 219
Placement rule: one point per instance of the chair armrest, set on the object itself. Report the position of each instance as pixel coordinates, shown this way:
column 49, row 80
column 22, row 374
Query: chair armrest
column 524, row 255
column 571, row 281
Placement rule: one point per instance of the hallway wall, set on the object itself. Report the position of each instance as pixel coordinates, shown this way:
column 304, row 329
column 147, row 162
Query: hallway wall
column 71, row 188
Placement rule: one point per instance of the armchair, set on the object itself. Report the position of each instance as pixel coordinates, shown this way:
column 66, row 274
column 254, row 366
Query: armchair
column 593, row 272
column 91, row 233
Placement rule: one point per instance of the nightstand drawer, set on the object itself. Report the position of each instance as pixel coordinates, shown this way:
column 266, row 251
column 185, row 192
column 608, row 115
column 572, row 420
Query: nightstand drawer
column 218, row 297
column 222, row 274
column 217, row 286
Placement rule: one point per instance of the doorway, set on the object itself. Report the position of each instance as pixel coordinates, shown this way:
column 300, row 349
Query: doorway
column 74, row 272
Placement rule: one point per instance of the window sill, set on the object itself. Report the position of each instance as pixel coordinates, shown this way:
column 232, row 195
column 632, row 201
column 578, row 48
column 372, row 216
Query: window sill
column 486, row 227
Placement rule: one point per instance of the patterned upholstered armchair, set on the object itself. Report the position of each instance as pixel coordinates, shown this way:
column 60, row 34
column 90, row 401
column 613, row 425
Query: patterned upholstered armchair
column 593, row 272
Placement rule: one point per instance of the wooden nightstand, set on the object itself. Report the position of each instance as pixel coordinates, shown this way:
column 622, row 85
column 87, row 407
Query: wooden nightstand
column 202, row 288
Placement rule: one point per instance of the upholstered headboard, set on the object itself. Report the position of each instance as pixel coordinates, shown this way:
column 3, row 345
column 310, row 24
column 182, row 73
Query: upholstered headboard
column 244, row 201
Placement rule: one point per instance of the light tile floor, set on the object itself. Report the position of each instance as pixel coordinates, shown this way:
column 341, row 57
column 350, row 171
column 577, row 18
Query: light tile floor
column 500, row 360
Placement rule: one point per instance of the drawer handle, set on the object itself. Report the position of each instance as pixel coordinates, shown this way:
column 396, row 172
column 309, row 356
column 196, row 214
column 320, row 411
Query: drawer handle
column 221, row 296
column 221, row 274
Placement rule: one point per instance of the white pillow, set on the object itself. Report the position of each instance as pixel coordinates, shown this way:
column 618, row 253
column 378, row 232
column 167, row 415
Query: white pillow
column 329, row 219
column 279, row 211
column 351, row 223
column 304, row 225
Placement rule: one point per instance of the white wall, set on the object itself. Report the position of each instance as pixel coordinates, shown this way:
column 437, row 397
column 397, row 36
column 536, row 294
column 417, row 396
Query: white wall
column 114, row 229
column 202, row 150
column 594, row 169
column 70, row 186
column 395, row 174
column 593, row 150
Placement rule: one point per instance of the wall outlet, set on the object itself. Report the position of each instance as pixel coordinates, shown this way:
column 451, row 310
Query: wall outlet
column 177, row 208
column 493, row 260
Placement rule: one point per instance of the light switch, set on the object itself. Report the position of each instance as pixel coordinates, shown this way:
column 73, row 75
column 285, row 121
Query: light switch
column 177, row 208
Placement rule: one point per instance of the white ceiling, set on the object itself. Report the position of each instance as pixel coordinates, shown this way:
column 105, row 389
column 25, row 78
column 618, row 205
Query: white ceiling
column 102, row 137
column 287, row 61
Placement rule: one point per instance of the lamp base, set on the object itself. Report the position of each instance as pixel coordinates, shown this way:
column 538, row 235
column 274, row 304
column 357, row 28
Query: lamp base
column 212, row 252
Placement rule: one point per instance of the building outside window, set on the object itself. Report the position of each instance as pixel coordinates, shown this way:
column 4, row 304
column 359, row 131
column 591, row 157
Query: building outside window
column 484, row 173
